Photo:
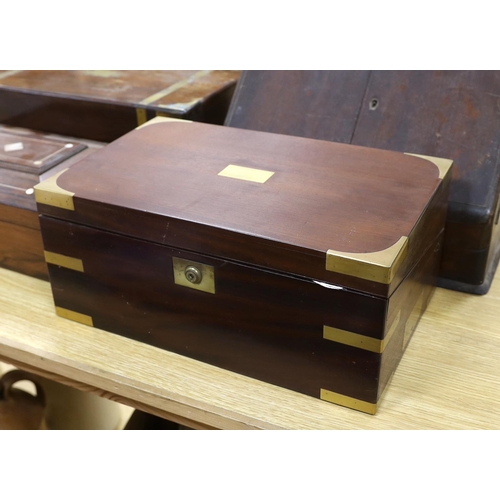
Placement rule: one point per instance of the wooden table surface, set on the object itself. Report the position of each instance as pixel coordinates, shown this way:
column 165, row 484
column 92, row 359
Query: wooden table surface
column 449, row 377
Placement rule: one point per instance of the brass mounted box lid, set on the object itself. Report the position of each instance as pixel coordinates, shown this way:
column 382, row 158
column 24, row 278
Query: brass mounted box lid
column 344, row 215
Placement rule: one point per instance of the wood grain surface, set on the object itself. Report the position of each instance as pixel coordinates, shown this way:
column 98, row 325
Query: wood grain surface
column 449, row 377
column 449, row 114
column 161, row 183
column 34, row 157
column 316, row 104
column 104, row 105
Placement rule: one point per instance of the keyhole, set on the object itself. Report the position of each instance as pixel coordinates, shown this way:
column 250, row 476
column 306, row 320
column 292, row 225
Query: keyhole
column 193, row 274
column 374, row 104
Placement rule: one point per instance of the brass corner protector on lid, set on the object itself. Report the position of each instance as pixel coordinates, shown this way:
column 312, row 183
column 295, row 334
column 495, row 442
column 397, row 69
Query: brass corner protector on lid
column 378, row 266
column 174, row 88
column 142, row 116
column 442, row 164
column 156, row 119
column 178, row 106
column 49, row 193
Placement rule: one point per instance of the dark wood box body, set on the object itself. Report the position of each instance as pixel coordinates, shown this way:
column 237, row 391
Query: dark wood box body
column 278, row 311
column 451, row 114
column 26, row 158
column 104, row 105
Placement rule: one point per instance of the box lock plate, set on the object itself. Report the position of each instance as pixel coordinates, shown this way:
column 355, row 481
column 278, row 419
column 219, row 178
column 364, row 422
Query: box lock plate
column 193, row 275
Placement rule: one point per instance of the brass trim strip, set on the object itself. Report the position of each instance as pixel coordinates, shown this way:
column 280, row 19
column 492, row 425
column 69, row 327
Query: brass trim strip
column 176, row 86
column 442, row 164
column 352, row 339
column 102, row 73
column 48, row 192
column 355, row 404
column 178, row 106
column 246, row 174
column 64, row 261
column 141, row 116
column 74, row 316
column 160, row 119
column 360, row 341
column 374, row 266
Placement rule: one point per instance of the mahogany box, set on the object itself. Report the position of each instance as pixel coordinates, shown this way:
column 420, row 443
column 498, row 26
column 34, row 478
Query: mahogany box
column 302, row 263
column 104, row 105
column 26, row 158
column 450, row 114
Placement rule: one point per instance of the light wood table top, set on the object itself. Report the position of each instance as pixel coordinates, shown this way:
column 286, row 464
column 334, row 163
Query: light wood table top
column 449, row 377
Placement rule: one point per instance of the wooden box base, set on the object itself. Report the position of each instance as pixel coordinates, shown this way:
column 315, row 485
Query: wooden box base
column 327, row 342
column 224, row 248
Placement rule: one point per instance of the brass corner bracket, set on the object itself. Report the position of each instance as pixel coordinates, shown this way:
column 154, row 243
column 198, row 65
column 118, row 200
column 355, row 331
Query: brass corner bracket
column 141, row 117
column 442, row 164
column 48, row 192
column 378, row 266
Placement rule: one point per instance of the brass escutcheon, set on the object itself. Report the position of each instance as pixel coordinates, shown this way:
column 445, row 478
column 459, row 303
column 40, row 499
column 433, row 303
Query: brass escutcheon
column 193, row 275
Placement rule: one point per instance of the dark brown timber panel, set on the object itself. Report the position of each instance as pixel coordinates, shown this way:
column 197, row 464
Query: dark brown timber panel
column 322, row 196
column 104, row 105
column 262, row 324
column 26, row 157
column 449, row 114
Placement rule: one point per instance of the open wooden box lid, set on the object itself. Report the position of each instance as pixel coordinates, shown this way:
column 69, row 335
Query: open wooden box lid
column 343, row 215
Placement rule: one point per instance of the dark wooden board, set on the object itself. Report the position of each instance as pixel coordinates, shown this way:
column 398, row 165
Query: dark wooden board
column 104, row 105
column 316, row 104
column 453, row 114
column 258, row 323
column 450, row 114
column 31, row 157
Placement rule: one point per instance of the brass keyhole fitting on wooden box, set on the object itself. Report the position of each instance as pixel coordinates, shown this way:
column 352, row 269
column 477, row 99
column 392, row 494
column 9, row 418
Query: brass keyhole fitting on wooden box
column 193, row 274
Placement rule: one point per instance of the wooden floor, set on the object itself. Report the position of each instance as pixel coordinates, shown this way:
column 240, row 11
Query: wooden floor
column 449, row 377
